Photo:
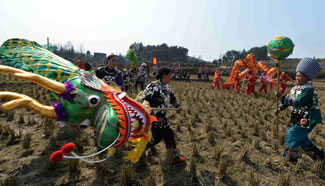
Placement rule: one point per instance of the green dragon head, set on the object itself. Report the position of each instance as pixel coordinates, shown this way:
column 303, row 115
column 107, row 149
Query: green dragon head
column 83, row 99
column 86, row 100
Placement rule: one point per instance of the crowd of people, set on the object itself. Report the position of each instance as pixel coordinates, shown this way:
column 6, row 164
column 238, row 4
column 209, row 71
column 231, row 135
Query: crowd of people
column 181, row 75
column 158, row 94
column 203, row 75
column 125, row 79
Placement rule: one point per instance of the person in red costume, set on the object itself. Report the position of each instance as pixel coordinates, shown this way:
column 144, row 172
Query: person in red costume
column 238, row 82
column 216, row 79
column 250, row 86
column 264, row 82
column 283, row 81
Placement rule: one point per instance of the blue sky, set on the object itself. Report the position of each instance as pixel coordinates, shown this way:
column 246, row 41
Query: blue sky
column 207, row 28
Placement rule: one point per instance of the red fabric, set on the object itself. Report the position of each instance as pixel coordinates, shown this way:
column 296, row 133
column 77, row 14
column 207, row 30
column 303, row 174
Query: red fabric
column 153, row 118
column 216, row 83
column 272, row 84
column 250, row 86
column 283, row 87
column 81, row 64
column 179, row 161
column 67, row 148
column 263, row 87
column 283, row 81
column 237, row 86
column 237, row 83
column 216, row 79
column 56, row 156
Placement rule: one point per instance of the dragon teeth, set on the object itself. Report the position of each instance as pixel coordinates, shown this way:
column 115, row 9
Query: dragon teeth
column 121, row 95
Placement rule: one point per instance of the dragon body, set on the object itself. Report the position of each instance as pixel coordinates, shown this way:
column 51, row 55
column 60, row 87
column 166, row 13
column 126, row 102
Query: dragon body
column 249, row 63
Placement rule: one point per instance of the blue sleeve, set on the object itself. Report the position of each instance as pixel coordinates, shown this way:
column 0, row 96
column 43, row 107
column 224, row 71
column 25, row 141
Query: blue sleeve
column 284, row 103
column 119, row 80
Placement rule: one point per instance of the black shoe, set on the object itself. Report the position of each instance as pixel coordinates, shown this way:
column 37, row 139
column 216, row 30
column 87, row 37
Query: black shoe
column 315, row 152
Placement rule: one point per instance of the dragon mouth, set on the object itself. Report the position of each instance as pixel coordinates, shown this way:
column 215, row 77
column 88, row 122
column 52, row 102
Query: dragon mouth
column 139, row 118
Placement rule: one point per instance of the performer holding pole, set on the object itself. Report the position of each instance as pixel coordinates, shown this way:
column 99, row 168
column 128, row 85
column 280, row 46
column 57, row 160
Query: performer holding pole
column 305, row 111
column 158, row 95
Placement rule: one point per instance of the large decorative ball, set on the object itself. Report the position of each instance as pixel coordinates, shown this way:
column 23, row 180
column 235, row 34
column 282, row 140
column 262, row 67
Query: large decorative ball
column 280, row 48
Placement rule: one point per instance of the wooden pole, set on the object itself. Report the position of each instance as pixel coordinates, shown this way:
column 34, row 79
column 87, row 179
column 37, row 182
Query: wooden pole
column 48, row 42
column 163, row 109
column 277, row 98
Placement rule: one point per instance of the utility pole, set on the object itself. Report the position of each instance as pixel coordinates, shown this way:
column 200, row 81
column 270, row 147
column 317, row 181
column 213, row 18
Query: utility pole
column 48, row 42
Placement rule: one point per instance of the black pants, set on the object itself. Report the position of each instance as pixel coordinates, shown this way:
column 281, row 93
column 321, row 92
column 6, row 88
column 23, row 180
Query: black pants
column 126, row 87
column 164, row 133
column 141, row 83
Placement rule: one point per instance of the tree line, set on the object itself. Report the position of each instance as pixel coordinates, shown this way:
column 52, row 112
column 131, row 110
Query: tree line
column 162, row 52
column 69, row 52
column 232, row 55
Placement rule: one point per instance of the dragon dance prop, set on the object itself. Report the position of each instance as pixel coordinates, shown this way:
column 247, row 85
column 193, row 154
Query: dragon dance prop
column 279, row 48
column 133, row 57
column 249, row 63
column 82, row 100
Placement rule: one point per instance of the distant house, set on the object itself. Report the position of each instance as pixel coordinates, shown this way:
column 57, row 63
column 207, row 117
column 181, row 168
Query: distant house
column 100, row 57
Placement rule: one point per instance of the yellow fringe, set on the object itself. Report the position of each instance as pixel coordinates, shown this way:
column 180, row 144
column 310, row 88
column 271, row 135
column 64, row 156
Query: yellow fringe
column 109, row 150
column 140, row 143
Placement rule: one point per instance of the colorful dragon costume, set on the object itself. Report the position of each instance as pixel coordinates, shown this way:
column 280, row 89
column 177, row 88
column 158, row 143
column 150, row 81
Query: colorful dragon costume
column 83, row 99
column 249, row 63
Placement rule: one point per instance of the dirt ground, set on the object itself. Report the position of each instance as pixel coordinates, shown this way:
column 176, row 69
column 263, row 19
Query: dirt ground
column 228, row 139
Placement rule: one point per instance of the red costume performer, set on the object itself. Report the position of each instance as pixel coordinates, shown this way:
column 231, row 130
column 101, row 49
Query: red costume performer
column 250, row 86
column 264, row 82
column 216, row 79
column 237, row 82
column 283, row 79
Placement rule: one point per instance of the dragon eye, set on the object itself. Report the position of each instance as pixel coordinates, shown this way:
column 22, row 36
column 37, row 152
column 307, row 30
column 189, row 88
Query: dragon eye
column 93, row 100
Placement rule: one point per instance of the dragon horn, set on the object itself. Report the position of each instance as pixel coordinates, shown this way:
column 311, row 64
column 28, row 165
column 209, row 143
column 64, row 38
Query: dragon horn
column 20, row 100
column 38, row 79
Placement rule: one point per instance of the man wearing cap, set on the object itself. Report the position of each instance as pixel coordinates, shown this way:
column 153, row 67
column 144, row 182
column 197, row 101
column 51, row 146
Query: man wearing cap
column 305, row 112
